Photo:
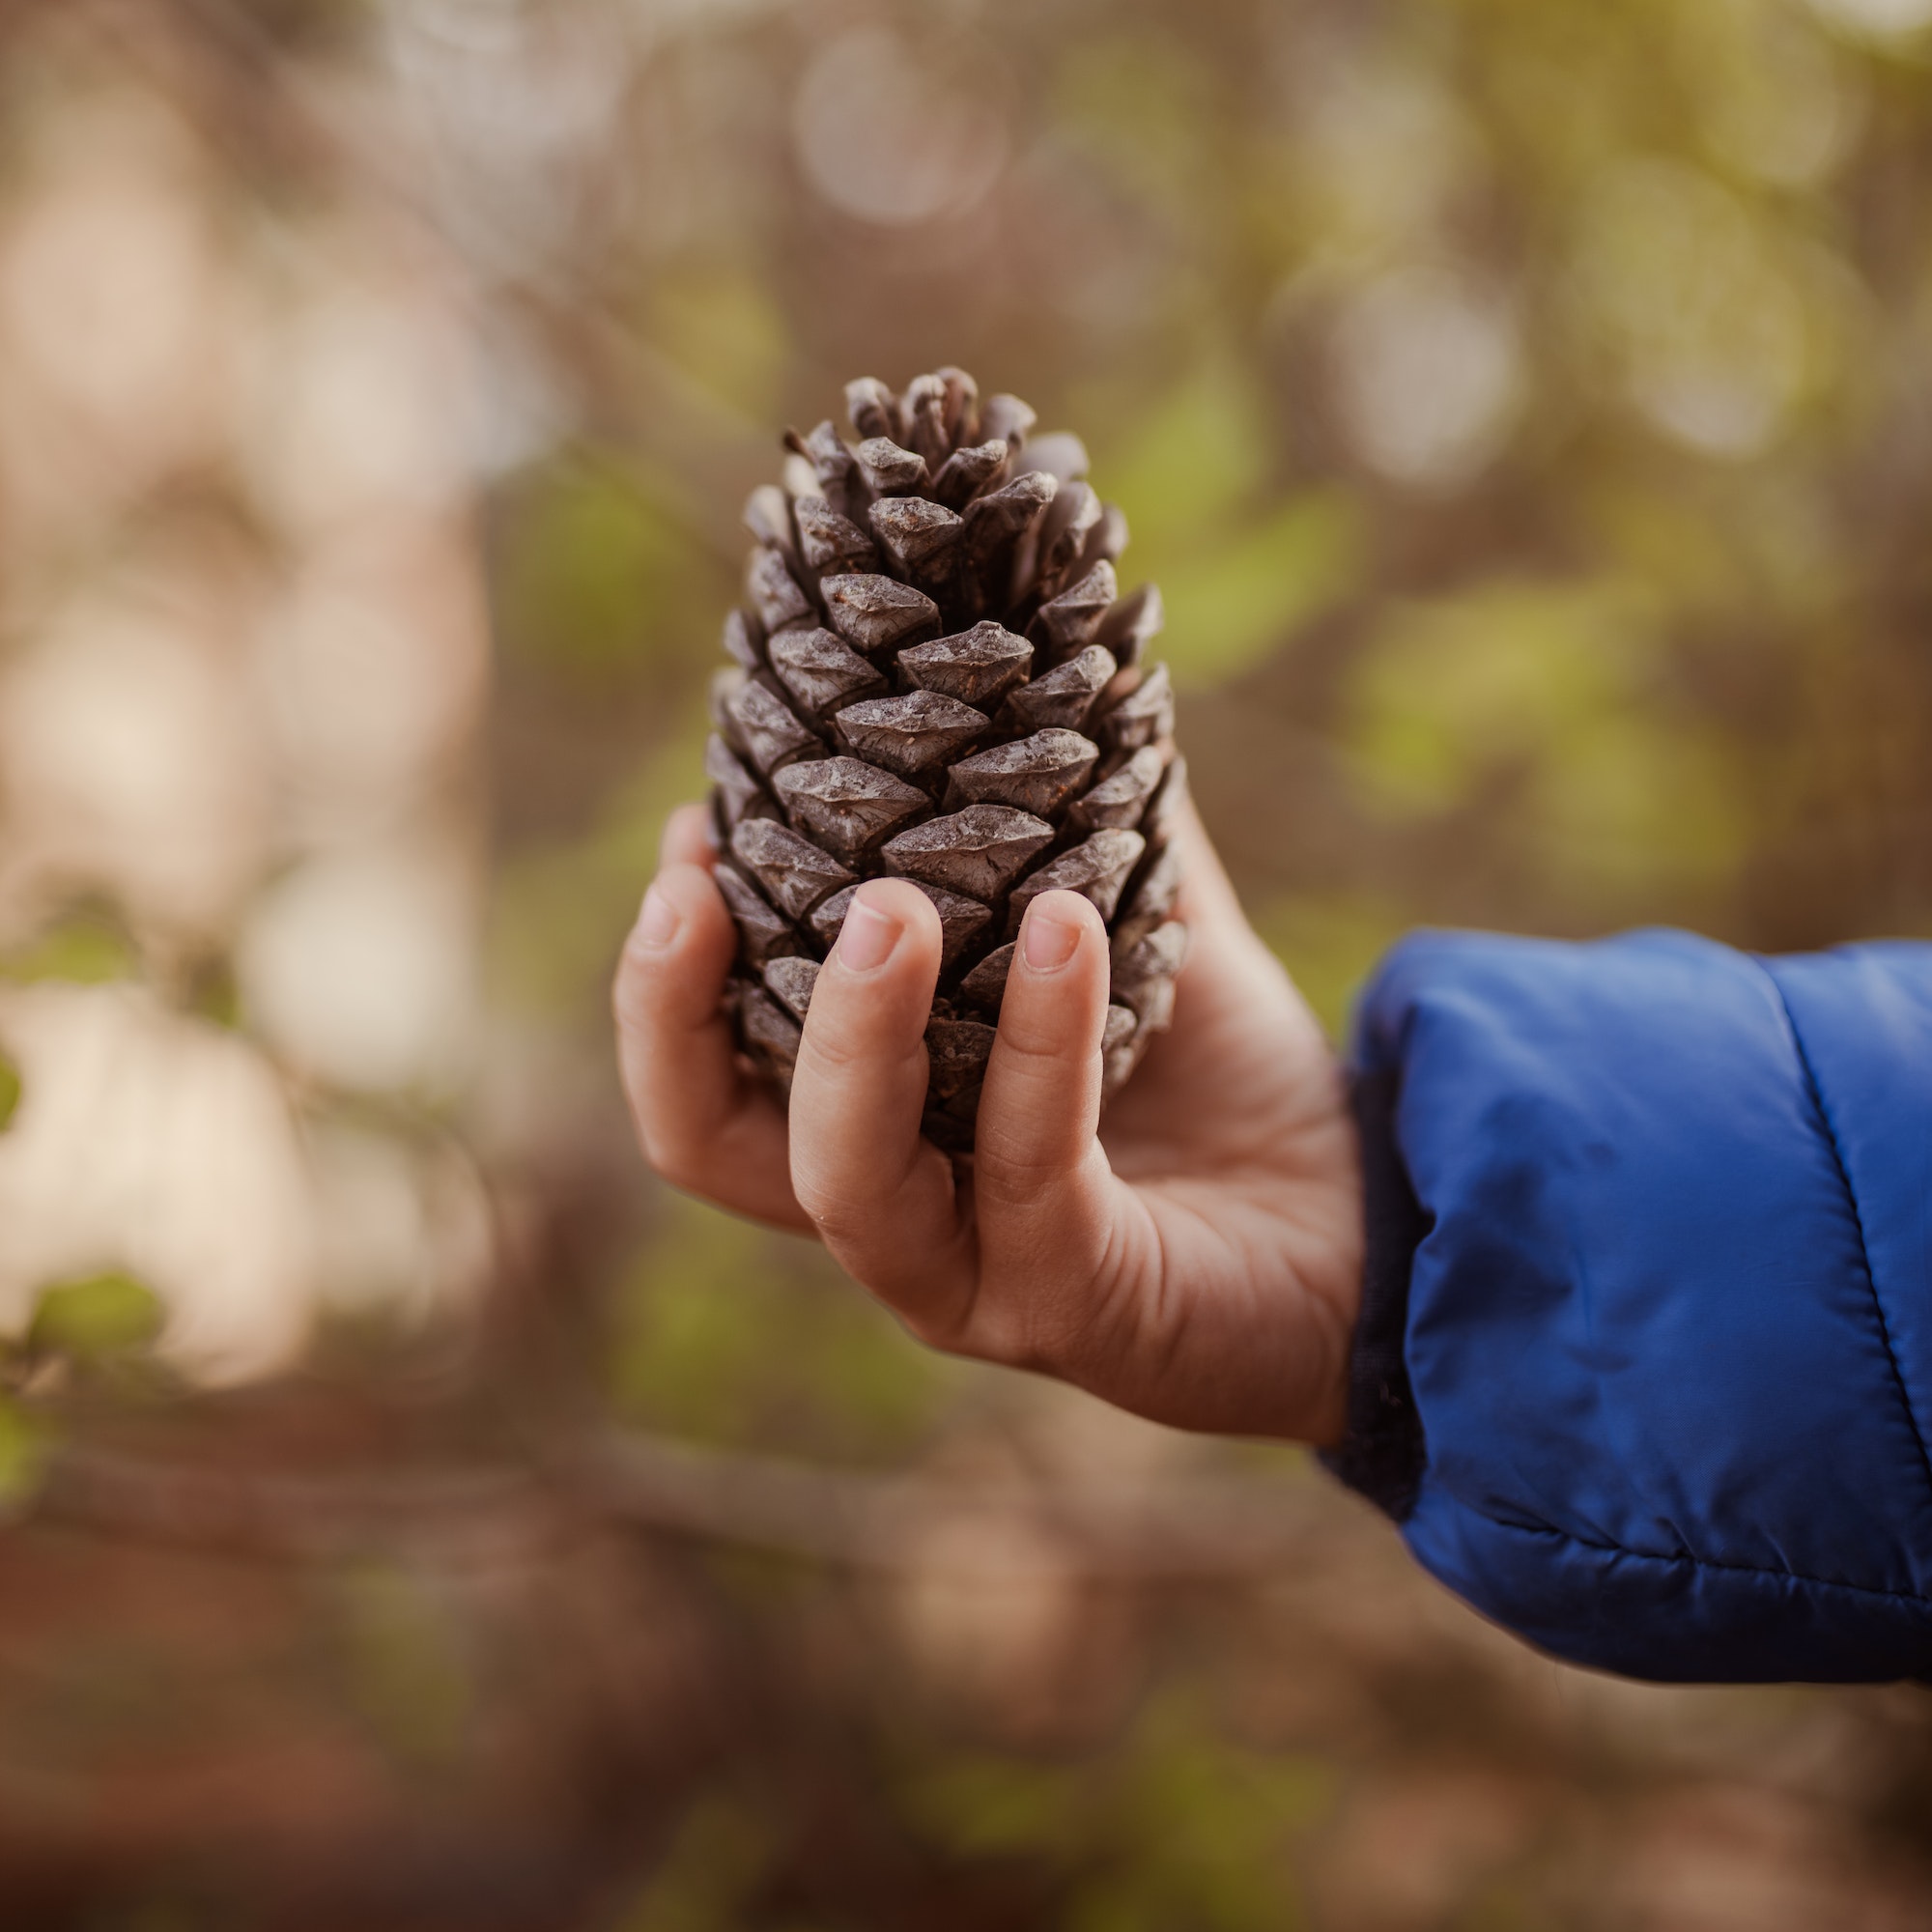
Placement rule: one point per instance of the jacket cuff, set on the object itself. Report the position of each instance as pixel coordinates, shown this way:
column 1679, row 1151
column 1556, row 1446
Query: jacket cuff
column 1382, row 1454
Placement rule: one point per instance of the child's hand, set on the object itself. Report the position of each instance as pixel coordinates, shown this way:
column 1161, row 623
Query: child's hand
column 1198, row 1259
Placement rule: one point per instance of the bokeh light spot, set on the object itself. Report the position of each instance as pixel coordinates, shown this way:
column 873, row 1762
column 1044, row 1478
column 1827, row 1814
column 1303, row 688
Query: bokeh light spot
column 881, row 139
column 1429, row 367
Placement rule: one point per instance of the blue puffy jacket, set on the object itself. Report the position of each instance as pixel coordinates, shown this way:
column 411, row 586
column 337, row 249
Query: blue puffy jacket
column 1644, row 1369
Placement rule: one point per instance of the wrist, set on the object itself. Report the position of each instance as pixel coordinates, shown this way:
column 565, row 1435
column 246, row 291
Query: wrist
column 1381, row 1450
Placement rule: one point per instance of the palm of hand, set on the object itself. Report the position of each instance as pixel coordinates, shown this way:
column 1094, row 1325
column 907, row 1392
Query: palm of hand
column 1234, row 1138
column 1198, row 1261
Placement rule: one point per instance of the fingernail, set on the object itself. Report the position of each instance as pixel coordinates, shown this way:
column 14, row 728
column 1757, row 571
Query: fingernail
column 658, row 921
column 1047, row 939
column 867, row 937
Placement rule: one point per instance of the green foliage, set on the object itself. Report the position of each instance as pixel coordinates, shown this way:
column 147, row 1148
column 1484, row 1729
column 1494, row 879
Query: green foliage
column 24, row 1443
column 1209, row 1824
column 561, row 910
column 1558, row 695
column 96, row 1319
column 1502, row 1906
column 594, row 582
column 1176, row 1828
column 1237, row 570
column 10, row 1090
column 710, row 1870
column 1143, row 106
column 1235, row 601
column 1195, row 457
column 722, row 326
column 982, row 1805
column 1329, row 941
column 731, row 1336
column 403, row 1662
column 89, row 946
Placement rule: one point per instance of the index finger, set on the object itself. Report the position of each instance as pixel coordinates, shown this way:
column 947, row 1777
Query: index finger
column 702, row 1123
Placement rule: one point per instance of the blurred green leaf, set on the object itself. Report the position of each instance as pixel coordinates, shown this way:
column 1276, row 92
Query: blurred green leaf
column 24, row 1446
column 978, row 1804
column 1329, row 943
column 710, row 1870
column 1719, row 318
column 102, row 1316
column 594, row 581
column 729, row 1335
column 89, row 946
column 10, row 1090
column 403, row 1658
column 1196, row 459
column 1145, row 107
column 1237, row 572
column 1177, row 1824
column 559, row 912
column 1234, row 603
column 1503, row 1905
column 1558, row 692
column 721, row 323
column 1647, row 534
column 1214, row 1824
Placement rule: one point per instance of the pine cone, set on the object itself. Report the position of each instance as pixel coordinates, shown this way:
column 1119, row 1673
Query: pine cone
column 935, row 678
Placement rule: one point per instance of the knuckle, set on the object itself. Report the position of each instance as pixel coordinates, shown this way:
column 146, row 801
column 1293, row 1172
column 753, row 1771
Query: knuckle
column 1026, row 1151
column 816, row 1184
column 844, row 1221
column 846, row 1048
column 1011, row 1173
column 834, row 1046
column 1044, row 1040
column 1035, row 1044
column 858, row 1206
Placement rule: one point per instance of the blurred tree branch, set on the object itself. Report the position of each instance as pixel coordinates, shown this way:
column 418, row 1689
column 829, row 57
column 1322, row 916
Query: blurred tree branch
column 1151, row 1530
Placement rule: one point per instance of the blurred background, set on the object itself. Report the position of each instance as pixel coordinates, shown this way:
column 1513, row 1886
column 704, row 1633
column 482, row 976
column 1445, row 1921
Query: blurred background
column 414, row 1517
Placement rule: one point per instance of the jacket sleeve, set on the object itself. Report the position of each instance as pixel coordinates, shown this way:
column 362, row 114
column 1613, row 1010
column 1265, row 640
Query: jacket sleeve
column 1644, row 1369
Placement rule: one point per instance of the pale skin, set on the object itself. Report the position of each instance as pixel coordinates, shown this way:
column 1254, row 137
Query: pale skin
column 1194, row 1255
